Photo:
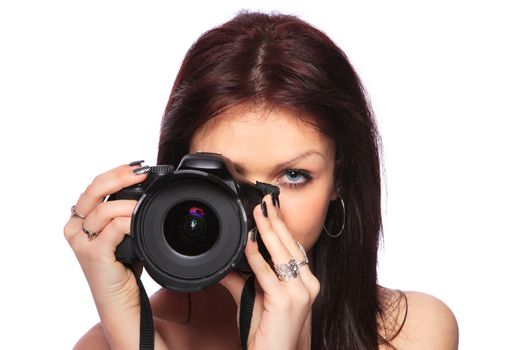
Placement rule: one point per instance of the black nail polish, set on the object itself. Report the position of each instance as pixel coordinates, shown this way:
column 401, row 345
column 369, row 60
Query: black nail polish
column 275, row 199
column 137, row 162
column 253, row 234
column 264, row 209
column 141, row 170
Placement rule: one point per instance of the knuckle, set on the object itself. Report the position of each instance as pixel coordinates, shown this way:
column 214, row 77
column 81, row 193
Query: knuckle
column 98, row 179
column 69, row 230
column 91, row 190
column 315, row 287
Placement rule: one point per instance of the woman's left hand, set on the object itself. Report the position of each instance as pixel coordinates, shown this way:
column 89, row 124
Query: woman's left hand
column 281, row 307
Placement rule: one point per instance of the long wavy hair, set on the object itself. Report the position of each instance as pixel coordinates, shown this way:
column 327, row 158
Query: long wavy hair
column 280, row 61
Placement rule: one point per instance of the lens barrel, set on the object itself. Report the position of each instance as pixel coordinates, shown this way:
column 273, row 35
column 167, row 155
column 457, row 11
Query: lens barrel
column 191, row 229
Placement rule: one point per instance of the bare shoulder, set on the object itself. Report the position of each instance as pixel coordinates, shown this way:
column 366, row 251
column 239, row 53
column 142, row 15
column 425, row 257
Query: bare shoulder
column 93, row 339
column 427, row 324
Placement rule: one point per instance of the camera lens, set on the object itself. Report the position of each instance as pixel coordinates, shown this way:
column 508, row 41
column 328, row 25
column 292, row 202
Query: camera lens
column 191, row 228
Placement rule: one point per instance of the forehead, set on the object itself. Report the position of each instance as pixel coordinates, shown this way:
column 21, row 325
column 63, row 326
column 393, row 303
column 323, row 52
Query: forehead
column 251, row 135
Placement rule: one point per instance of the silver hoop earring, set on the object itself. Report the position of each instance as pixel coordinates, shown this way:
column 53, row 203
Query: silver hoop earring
column 342, row 227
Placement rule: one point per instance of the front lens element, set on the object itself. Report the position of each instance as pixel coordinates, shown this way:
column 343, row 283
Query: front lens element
column 191, row 228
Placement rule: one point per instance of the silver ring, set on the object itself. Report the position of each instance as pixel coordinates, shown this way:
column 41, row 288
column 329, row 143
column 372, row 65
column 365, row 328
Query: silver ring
column 91, row 235
column 305, row 261
column 76, row 214
column 285, row 272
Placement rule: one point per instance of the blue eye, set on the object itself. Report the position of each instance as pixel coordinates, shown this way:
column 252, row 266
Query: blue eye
column 295, row 178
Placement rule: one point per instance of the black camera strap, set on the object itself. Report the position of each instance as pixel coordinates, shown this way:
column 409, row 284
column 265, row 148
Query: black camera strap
column 147, row 333
column 246, row 310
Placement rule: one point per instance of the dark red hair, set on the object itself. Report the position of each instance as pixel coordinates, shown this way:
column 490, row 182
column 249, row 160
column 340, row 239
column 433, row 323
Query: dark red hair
column 281, row 61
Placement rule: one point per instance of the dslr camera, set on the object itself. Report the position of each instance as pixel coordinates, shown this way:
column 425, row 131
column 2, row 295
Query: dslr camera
column 191, row 224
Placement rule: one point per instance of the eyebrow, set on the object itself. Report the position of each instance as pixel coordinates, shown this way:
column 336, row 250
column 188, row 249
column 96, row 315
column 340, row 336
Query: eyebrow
column 287, row 163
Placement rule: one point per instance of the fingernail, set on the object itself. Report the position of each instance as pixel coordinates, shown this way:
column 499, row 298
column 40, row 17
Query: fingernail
column 275, row 199
column 137, row 162
column 264, row 209
column 141, row 170
column 253, row 234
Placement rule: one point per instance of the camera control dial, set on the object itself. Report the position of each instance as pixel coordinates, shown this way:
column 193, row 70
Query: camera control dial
column 162, row 169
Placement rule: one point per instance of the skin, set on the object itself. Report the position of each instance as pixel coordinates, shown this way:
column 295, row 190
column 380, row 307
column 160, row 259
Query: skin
column 256, row 140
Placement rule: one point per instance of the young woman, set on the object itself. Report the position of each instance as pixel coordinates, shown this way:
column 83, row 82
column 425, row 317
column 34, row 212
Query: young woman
column 281, row 101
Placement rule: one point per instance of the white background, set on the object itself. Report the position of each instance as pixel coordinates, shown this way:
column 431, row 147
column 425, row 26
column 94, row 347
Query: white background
column 83, row 86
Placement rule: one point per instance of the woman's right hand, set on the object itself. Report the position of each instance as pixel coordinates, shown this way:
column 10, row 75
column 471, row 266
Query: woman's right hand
column 112, row 284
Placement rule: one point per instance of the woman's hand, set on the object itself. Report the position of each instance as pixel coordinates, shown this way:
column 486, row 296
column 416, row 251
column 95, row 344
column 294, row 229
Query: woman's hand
column 281, row 308
column 112, row 285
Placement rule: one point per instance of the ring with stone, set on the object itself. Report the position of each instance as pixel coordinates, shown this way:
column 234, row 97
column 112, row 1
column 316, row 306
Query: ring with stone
column 287, row 271
column 90, row 235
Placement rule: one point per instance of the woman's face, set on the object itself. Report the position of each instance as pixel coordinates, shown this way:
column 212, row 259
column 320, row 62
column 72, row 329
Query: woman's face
column 275, row 147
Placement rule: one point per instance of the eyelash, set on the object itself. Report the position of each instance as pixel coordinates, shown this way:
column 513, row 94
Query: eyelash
column 304, row 174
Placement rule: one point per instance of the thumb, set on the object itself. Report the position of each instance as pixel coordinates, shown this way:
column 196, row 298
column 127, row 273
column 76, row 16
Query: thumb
column 234, row 283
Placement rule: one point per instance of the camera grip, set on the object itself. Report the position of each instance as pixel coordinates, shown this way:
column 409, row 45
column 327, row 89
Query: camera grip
column 125, row 252
column 133, row 192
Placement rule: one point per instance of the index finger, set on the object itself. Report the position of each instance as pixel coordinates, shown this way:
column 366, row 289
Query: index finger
column 105, row 184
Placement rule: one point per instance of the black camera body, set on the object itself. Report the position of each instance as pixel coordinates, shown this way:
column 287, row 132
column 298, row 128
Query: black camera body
column 190, row 225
